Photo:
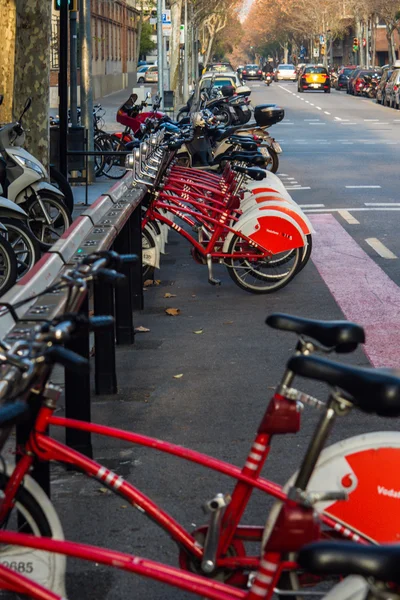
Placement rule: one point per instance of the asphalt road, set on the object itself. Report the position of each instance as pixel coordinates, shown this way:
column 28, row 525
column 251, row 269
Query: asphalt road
column 332, row 145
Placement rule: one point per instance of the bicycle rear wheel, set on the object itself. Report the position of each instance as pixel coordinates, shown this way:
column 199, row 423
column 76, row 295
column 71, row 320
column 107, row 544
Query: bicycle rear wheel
column 113, row 166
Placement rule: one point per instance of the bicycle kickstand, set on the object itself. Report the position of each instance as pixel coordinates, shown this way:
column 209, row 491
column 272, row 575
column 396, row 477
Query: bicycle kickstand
column 215, row 508
column 211, row 279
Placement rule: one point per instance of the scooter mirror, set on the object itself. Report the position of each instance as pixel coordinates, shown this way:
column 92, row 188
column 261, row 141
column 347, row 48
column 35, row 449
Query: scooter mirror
column 27, row 106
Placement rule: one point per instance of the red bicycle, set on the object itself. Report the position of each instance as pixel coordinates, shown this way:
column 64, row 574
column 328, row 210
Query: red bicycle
column 218, row 549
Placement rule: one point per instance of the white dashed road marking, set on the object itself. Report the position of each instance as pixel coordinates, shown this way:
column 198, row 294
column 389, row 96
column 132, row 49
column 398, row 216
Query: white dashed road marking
column 382, row 203
column 371, row 120
column 380, row 248
column 298, row 188
column 362, row 187
column 326, row 112
column 348, row 217
column 311, row 205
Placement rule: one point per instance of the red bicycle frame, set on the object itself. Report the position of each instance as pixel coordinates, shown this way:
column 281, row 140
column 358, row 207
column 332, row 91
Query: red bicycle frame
column 281, row 416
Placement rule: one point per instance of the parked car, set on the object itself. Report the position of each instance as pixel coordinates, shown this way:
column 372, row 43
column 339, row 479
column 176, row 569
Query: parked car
column 381, row 89
column 285, row 72
column 141, row 72
column 221, row 67
column 151, row 75
column 343, row 76
column 314, row 78
column 392, row 90
column 352, row 77
column 252, row 72
column 359, row 82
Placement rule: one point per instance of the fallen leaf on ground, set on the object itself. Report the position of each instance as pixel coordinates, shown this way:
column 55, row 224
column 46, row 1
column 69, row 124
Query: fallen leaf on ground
column 141, row 329
column 193, row 295
column 173, row 311
column 228, row 322
column 104, row 490
column 150, row 282
column 124, row 506
column 198, row 331
column 178, row 376
column 168, row 295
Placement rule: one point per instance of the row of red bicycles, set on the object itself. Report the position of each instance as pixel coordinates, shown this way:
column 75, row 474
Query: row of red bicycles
column 242, row 218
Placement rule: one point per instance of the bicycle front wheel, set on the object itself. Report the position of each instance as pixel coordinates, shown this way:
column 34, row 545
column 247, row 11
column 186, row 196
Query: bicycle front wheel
column 28, row 516
column 261, row 276
column 113, row 166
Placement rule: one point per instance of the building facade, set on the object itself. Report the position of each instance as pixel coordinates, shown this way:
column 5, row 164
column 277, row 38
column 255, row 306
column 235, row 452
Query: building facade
column 114, row 36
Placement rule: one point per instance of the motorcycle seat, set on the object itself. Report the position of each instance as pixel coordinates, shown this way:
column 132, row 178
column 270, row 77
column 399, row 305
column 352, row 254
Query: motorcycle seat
column 345, row 558
column 372, row 390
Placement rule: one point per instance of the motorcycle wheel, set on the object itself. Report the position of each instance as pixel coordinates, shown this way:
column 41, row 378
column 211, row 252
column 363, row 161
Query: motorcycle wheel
column 60, row 218
column 224, row 116
column 26, row 247
column 8, row 266
column 273, row 161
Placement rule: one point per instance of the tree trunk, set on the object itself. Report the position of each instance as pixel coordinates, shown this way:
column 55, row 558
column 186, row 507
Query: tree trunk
column 209, row 48
column 7, row 36
column 175, row 79
column 32, row 73
column 373, row 41
column 389, row 37
column 285, row 52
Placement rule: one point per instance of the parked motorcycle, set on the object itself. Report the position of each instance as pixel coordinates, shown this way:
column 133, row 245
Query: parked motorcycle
column 370, row 86
column 24, row 181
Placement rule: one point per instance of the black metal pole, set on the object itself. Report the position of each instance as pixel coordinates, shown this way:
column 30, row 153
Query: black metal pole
column 73, row 66
column 123, row 293
column 63, row 86
column 105, row 375
column 135, row 223
column 77, row 394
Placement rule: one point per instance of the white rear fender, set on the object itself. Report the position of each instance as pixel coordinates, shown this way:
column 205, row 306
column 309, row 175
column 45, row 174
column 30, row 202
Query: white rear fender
column 272, row 229
column 293, row 210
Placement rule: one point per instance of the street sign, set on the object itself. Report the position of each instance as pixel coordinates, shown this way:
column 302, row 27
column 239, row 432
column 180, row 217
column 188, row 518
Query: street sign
column 322, row 39
column 182, row 35
column 316, row 53
column 153, row 21
column 166, row 22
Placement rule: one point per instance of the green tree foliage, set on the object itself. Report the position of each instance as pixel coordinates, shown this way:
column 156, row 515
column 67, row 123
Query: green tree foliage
column 146, row 43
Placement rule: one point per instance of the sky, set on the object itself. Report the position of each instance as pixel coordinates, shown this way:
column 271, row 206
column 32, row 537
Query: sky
column 245, row 9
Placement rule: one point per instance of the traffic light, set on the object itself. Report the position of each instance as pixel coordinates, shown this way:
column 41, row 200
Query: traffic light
column 355, row 44
column 72, row 4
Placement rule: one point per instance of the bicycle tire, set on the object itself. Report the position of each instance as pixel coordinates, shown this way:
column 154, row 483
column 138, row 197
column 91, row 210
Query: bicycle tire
column 148, row 243
column 265, row 284
column 59, row 181
column 8, row 262
column 26, row 247
column 114, row 166
column 28, row 511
